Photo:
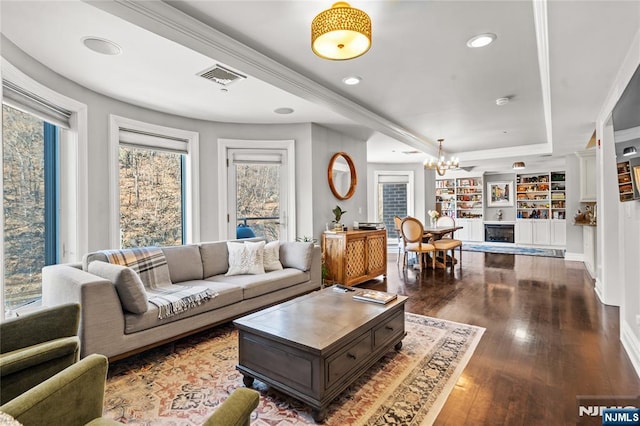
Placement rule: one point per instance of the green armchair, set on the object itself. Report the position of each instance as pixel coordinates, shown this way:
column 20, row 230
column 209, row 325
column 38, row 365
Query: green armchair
column 36, row 346
column 75, row 397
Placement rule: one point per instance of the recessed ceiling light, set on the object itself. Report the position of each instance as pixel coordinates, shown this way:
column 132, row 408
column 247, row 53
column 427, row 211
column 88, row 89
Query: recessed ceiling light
column 481, row 40
column 284, row 110
column 101, row 45
column 518, row 165
column 352, row 80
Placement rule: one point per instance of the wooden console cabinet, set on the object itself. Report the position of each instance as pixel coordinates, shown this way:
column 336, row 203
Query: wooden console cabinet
column 353, row 257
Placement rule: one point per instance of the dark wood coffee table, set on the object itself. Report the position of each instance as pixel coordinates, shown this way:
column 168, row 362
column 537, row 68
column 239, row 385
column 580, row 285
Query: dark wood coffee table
column 314, row 346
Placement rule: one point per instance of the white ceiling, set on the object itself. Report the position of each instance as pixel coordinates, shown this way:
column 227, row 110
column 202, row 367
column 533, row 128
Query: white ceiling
column 420, row 82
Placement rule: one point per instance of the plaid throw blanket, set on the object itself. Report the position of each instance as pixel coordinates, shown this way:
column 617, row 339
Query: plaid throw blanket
column 150, row 264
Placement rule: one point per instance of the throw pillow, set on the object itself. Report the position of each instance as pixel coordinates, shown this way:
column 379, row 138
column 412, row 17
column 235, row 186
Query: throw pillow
column 272, row 256
column 295, row 254
column 129, row 287
column 246, row 258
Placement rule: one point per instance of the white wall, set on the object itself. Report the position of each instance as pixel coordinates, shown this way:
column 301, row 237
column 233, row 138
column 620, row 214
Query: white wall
column 327, row 142
column 574, row 232
column 620, row 269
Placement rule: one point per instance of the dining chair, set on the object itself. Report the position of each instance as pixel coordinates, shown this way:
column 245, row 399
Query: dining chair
column 397, row 222
column 412, row 236
column 447, row 242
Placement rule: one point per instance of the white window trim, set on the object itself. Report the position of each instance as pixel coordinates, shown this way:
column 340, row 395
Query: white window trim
column 74, row 196
column 410, row 189
column 223, row 206
column 192, row 185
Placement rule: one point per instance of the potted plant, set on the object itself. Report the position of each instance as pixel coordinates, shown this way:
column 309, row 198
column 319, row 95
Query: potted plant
column 337, row 213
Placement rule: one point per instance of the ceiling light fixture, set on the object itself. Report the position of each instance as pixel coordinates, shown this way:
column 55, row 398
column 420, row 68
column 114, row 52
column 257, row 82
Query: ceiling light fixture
column 518, row 165
column 283, row 110
column 630, row 150
column 352, row 80
column 481, row 40
column 503, row 101
column 440, row 165
column 341, row 33
column 101, row 45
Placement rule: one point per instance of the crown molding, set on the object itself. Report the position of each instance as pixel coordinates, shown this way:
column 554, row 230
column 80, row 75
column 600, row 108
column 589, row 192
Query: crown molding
column 172, row 24
column 542, row 39
column 627, row 134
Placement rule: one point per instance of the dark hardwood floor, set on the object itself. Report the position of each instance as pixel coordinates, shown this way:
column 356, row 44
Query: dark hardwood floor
column 548, row 339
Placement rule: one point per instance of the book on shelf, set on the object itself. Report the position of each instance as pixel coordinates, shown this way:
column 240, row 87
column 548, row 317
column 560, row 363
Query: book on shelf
column 375, row 296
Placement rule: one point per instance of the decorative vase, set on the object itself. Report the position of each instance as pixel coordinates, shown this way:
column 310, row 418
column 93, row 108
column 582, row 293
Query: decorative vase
column 434, row 221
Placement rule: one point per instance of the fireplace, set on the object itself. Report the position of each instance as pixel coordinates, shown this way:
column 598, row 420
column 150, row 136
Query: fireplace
column 499, row 233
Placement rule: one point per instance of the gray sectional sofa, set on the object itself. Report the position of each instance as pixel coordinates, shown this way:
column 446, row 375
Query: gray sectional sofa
column 107, row 328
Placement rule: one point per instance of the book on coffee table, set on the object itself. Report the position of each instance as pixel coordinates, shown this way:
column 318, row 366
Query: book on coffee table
column 375, row 296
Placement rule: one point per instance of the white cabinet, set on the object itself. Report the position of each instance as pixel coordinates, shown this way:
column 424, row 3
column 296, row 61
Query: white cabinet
column 541, row 232
column 524, row 231
column 472, row 230
column 558, row 232
column 587, row 175
column 589, row 249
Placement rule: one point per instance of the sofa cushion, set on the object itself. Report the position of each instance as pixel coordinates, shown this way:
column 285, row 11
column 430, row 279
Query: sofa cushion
column 296, row 254
column 214, row 258
column 272, row 256
column 184, row 262
column 227, row 294
column 129, row 287
column 245, row 258
column 257, row 285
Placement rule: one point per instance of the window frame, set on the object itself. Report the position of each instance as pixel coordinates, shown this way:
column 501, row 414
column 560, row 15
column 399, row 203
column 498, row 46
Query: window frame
column 409, row 174
column 190, row 171
column 73, row 214
column 224, row 146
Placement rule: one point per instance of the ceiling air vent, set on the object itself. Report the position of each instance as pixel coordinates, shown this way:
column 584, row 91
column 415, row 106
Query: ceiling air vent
column 221, row 75
column 411, row 152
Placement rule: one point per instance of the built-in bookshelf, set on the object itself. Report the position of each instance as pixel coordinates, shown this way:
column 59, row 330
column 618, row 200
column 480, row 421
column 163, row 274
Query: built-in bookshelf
column 446, row 197
column 625, row 185
column 558, row 195
column 541, row 196
column 469, row 198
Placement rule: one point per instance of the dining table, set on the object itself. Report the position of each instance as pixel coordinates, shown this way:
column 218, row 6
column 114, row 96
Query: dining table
column 435, row 233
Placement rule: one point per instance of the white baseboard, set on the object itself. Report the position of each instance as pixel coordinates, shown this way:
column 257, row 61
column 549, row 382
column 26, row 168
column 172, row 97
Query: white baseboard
column 598, row 290
column 577, row 257
column 631, row 344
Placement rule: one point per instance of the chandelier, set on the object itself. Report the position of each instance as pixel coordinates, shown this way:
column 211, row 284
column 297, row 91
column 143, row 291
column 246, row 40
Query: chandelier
column 341, row 33
column 440, row 165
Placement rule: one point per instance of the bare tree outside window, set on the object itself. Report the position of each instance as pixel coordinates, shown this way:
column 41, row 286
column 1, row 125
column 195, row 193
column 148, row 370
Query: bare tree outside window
column 258, row 198
column 151, row 197
column 23, row 203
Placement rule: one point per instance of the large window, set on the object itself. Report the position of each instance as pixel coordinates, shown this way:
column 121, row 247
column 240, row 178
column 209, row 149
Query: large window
column 154, row 184
column 151, row 197
column 45, row 193
column 30, row 202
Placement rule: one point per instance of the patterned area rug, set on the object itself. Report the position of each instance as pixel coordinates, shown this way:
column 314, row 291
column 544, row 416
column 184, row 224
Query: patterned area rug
column 530, row 251
column 182, row 383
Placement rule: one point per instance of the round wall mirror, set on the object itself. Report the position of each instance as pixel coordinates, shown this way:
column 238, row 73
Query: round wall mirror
column 342, row 176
